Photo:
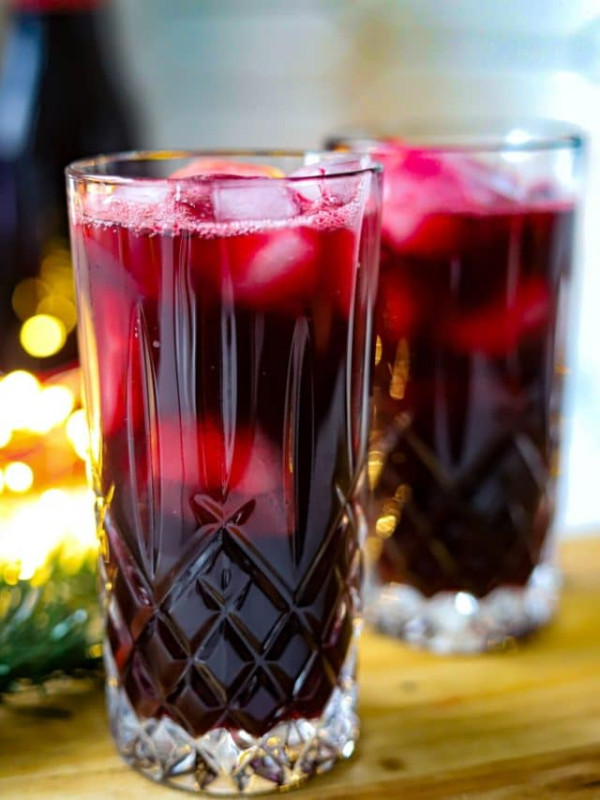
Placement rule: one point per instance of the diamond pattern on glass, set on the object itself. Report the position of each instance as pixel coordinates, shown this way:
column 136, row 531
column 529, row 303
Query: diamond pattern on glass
column 228, row 761
column 474, row 530
column 229, row 643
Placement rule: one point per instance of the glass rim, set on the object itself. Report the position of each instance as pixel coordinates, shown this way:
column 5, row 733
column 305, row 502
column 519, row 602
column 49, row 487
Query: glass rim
column 83, row 170
column 468, row 135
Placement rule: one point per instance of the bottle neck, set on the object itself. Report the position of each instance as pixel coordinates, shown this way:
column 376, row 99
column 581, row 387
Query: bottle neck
column 55, row 6
column 66, row 32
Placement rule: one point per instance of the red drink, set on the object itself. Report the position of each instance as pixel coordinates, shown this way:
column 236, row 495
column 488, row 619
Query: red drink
column 230, row 340
column 475, row 264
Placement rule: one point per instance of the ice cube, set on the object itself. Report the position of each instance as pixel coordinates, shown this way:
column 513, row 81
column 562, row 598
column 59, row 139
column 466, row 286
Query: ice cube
column 200, row 452
column 487, row 184
column 262, row 464
column 206, row 194
column 135, row 204
column 273, row 269
column 307, row 184
column 193, row 201
column 498, row 327
column 253, row 200
column 424, row 191
column 111, row 317
column 398, row 306
column 339, row 267
column 332, row 185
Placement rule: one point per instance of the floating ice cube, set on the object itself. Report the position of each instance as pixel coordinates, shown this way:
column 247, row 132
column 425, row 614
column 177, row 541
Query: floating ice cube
column 209, row 189
column 497, row 328
column 193, row 200
column 135, row 204
column 423, row 190
column 307, row 184
column 275, row 268
column 332, row 185
column 252, row 200
column 239, row 192
column 489, row 185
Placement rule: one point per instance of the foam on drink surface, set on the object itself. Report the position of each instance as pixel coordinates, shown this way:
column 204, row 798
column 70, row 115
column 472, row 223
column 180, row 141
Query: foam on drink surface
column 220, row 206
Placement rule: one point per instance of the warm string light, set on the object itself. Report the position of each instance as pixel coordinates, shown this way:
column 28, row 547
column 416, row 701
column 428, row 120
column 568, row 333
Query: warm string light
column 18, row 477
column 29, row 408
column 46, row 304
column 31, row 530
column 41, row 432
column 42, row 335
column 77, row 433
column 44, row 508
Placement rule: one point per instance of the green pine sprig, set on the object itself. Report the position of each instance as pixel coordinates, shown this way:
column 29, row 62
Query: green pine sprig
column 49, row 628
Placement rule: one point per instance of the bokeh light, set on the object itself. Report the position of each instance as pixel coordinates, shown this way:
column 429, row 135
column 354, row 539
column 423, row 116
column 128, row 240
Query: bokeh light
column 27, row 296
column 31, row 529
column 60, row 307
column 43, row 335
column 5, row 434
column 78, row 434
column 18, row 477
column 44, row 507
column 56, row 269
column 55, row 405
column 19, row 395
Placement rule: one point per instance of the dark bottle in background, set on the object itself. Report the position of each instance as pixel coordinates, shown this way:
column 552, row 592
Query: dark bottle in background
column 61, row 98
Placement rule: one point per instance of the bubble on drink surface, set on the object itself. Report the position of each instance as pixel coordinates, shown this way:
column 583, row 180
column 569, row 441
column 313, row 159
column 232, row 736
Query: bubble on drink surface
column 135, row 204
column 243, row 196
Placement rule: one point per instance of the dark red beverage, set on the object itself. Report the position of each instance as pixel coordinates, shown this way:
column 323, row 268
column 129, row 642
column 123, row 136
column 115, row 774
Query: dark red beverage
column 469, row 359
column 228, row 372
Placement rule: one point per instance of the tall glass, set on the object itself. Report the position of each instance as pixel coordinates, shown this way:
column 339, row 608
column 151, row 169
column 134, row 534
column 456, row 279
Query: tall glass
column 225, row 311
column 477, row 249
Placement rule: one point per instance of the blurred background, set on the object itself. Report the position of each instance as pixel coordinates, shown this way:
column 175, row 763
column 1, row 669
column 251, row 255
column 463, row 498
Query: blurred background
column 261, row 73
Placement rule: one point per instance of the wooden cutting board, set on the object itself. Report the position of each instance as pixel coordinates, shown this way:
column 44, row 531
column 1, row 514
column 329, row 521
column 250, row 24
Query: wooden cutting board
column 523, row 723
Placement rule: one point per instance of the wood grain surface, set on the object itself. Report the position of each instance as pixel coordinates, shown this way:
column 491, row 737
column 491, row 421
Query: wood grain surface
column 522, row 723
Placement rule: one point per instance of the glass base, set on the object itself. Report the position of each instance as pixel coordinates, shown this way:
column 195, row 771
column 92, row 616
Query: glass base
column 459, row 622
column 224, row 762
